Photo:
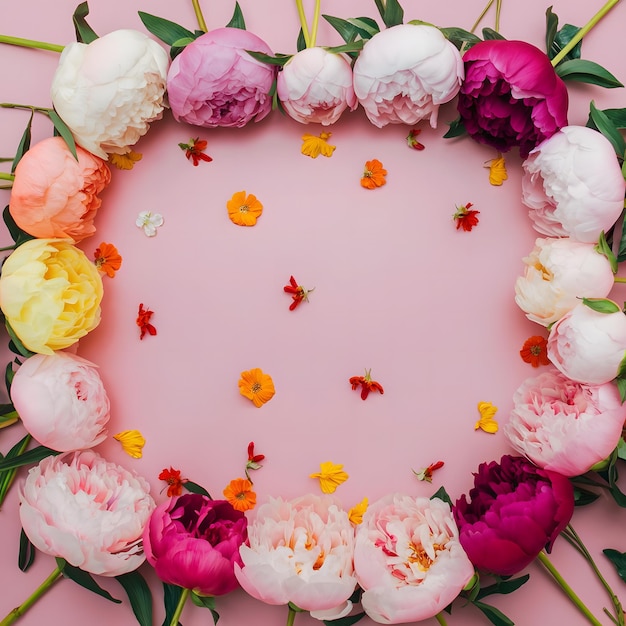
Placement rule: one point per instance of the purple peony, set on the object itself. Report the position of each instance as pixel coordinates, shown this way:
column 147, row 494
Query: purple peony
column 515, row 511
column 511, row 95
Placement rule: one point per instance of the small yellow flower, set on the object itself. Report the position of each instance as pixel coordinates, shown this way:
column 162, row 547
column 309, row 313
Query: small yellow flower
column 355, row 514
column 125, row 161
column 331, row 476
column 497, row 170
column 132, row 441
column 487, row 421
column 313, row 146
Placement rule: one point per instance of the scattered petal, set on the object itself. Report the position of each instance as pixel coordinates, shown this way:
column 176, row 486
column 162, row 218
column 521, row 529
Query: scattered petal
column 256, row 386
column 194, row 150
column 355, row 514
column 366, row 383
column 244, row 210
column 535, row 351
column 412, row 141
column 330, row 476
column 149, row 222
column 497, row 170
column 487, row 421
column 143, row 321
column 426, row 473
column 313, row 146
column 373, row 175
column 298, row 293
column 174, row 481
column 239, row 493
column 125, row 161
column 107, row 259
column 466, row 217
column 132, row 441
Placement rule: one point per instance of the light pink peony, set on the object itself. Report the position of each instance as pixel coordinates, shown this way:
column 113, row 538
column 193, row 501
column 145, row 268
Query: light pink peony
column 316, row 86
column 558, row 273
column 405, row 72
column 565, row 426
column 408, row 559
column 588, row 346
column 573, row 185
column 300, row 551
column 61, row 400
column 56, row 196
column 215, row 82
column 90, row 512
column 109, row 91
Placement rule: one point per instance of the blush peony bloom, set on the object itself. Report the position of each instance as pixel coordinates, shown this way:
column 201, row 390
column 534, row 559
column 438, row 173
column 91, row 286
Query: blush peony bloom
column 300, row 551
column 588, row 346
column 558, row 273
column 515, row 510
column 408, row 559
column 573, row 185
column 50, row 294
column 214, row 82
column 511, row 95
column 109, row 91
column 405, row 72
column 564, row 426
column 56, row 196
column 87, row 511
column 193, row 542
column 316, row 86
column 61, row 400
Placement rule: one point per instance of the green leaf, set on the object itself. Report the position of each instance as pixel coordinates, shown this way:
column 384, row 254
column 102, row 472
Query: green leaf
column 503, row 586
column 84, row 579
column 393, row 13
column 621, row 370
column 17, row 234
column 207, row 602
column 139, row 596
column 603, row 123
column 366, row 27
column 181, row 43
column 621, row 387
column 348, row 48
column 348, row 620
column 561, row 39
column 26, row 556
column 345, row 28
column 457, row 128
column 195, row 488
column 16, row 341
column 279, row 59
column 618, row 559
column 442, row 494
column 587, row 72
column 460, row 38
column 621, row 449
column 300, row 42
column 61, row 127
column 84, row 32
column 24, row 144
column 237, row 21
column 552, row 25
column 490, row 34
column 171, row 596
column 611, row 476
column 166, row 31
column 617, row 116
column 603, row 248
column 32, row 456
column 583, row 497
column 601, row 305
column 495, row 616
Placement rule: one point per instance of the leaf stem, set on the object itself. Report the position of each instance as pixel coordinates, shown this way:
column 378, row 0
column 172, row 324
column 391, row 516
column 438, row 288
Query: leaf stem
column 5, row 176
column 31, row 43
column 316, row 19
column 303, row 23
column 441, row 619
column 617, row 279
column 8, row 476
column 498, row 11
column 480, row 17
column 198, row 11
column 291, row 616
column 179, row 607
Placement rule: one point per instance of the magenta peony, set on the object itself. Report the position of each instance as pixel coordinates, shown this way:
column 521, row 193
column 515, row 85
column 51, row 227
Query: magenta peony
column 511, row 95
column 515, row 510
column 215, row 82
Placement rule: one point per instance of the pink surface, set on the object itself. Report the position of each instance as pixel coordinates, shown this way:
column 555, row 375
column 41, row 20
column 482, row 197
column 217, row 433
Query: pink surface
column 397, row 289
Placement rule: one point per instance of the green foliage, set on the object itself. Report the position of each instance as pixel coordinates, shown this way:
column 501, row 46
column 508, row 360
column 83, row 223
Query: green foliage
column 457, row 128
column 237, row 21
column 391, row 12
column 15, row 345
column 279, row 59
column 490, row 34
column 601, row 305
column 208, row 602
column 26, row 556
column 619, row 561
column 495, row 616
column 461, row 39
column 24, row 144
column 603, row 248
column 139, row 596
column 27, row 458
column 503, row 586
column 168, row 32
column 171, row 596
column 583, row 497
column 300, row 42
column 557, row 39
column 599, row 120
column 587, row 72
column 84, row 579
column 442, row 494
column 84, row 32
column 344, row 621
column 17, row 234
column 61, row 129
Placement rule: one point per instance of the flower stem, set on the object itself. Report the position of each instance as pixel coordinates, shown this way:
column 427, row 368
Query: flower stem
column 441, row 619
column 498, row 11
column 30, row 107
column 316, row 19
column 17, row 612
column 583, row 31
column 31, row 43
column 303, row 23
column 179, row 607
column 291, row 616
column 198, row 11
column 5, row 176
column 543, row 559
column 480, row 17
column 617, row 279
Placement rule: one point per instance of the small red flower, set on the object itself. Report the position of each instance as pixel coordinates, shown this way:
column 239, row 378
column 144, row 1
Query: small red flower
column 535, row 351
column 143, row 321
column 174, row 482
column 412, row 141
column 194, row 150
column 366, row 383
column 426, row 473
column 466, row 217
column 254, row 460
column 298, row 293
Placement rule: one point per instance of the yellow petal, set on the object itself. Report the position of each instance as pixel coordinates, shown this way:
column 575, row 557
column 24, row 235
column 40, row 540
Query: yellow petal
column 132, row 441
column 313, row 146
column 355, row 514
column 487, row 422
column 330, row 476
column 497, row 171
column 125, row 161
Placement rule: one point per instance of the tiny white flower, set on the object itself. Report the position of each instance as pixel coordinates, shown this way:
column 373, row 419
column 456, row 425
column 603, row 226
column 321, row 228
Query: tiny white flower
column 149, row 222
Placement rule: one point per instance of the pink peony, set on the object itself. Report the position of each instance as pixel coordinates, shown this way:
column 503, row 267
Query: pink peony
column 511, row 95
column 87, row 511
column 564, row 426
column 56, row 196
column 300, row 551
column 408, row 559
column 588, row 346
column 405, row 72
column 573, row 185
column 215, row 82
column 61, row 400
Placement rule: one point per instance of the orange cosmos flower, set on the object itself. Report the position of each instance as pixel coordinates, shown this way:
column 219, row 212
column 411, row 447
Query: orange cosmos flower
column 194, row 150
column 535, row 351
column 313, row 146
column 256, row 386
column 373, row 175
column 125, row 161
column 143, row 321
column 239, row 493
column 174, row 482
column 107, row 259
column 244, row 210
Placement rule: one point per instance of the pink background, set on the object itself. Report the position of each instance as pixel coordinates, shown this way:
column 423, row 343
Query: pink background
column 397, row 289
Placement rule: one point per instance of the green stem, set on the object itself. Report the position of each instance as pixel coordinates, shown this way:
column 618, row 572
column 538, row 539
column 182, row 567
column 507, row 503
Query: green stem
column 198, row 11
column 30, row 107
column 569, row 592
column 5, row 176
column 441, row 619
column 480, row 17
column 583, row 31
column 498, row 10
column 179, row 607
column 291, row 616
column 316, row 19
column 17, row 612
column 31, row 43
column 8, row 476
column 303, row 23
column 6, row 249
column 617, row 279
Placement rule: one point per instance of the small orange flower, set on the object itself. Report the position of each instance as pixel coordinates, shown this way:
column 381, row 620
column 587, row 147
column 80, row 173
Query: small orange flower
column 313, row 146
column 466, row 217
column 366, row 383
column 107, row 259
column 331, row 475
column 239, row 493
column 373, row 175
column 174, row 482
column 125, row 161
column 535, row 351
column 143, row 321
column 244, row 210
column 256, row 386
column 355, row 514
column 194, row 150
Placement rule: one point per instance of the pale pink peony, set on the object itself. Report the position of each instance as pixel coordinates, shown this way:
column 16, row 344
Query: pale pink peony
column 56, row 196
column 573, row 185
column 61, row 401
column 405, row 72
column 408, row 559
column 565, row 426
column 215, row 82
column 588, row 346
column 315, row 85
column 558, row 273
column 90, row 512
column 300, row 551
column 109, row 91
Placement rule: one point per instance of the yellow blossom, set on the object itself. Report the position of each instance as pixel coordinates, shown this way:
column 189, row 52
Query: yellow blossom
column 355, row 514
column 132, row 441
column 497, row 170
column 331, row 476
column 125, row 161
column 313, row 145
column 487, row 421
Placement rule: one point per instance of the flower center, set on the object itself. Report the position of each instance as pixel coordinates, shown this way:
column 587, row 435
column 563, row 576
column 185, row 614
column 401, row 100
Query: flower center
column 244, row 208
column 256, row 387
column 535, row 350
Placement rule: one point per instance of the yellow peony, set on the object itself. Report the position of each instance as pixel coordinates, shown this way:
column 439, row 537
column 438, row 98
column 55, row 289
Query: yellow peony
column 50, row 294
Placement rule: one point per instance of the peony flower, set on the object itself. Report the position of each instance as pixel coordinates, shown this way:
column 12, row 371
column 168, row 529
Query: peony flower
column 315, row 85
column 515, row 510
column 564, row 426
column 558, row 273
column 588, row 346
column 61, row 400
column 193, row 542
column 109, row 91
column 50, row 294
column 87, row 511
column 408, row 559
column 405, row 72
column 511, row 95
column 299, row 551
column 56, row 196
column 215, row 82
column 573, row 185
